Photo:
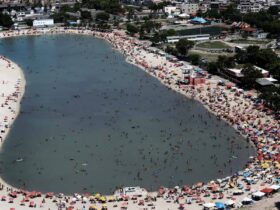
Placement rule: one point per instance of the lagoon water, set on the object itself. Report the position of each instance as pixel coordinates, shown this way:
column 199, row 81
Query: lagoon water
column 90, row 122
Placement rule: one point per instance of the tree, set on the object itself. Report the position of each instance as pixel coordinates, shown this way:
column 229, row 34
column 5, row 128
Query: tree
column 271, row 95
column 132, row 29
column 183, row 46
column 275, row 70
column 86, row 15
column 225, row 62
column 109, row 6
column 194, row 59
column 130, row 13
column 171, row 50
column 77, row 7
column 102, row 16
column 252, row 51
column 273, row 10
column 250, row 75
column 212, row 67
column 164, row 34
column 199, row 13
column 5, row 20
column 29, row 22
column 150, row 26
column 265, row 58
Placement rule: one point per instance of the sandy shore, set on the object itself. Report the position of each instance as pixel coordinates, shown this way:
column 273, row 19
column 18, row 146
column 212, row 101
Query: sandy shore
column 12, row 87
column 229, row 108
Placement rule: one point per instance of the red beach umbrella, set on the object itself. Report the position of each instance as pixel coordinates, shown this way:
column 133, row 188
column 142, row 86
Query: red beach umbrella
column 267, row 190
column 3, row 198
column 49, row 195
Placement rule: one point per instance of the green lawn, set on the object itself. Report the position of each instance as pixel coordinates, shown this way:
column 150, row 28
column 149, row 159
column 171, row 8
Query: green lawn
column 213, row 45
column 209, row 56
column 245, row 41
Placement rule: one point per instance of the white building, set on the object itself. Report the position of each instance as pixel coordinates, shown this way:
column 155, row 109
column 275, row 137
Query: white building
column 43, row 22
column 170, row 10
column 196, row 37
column 189, row 8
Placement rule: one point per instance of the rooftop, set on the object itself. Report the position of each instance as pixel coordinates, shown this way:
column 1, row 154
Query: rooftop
column 264, row 82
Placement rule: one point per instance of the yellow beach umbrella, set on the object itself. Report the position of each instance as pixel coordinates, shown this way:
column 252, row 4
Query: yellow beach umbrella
column 265, row 165
column 277, row 165
column 111, row 198
column 97, row 195
column 102, row 199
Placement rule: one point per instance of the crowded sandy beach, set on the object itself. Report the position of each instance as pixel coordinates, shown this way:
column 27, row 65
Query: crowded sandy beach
column 260, row 179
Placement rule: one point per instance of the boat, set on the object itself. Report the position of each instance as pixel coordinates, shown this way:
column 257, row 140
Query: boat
column 19, row 160
column 131, row 191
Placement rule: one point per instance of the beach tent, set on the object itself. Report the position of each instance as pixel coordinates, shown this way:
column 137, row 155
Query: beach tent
column 198, row 20
column 220, row 205
column 229, row 202
column 209, row 205
column 275, row 187
column 258, row 195
column 238, row 192
column 92, row 207
column 91, row 198
column 247, row 201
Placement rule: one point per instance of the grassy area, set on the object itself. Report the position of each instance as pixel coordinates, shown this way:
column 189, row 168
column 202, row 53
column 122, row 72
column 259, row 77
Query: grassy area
column 245, row 41
column 213, row 45
column 208, row 56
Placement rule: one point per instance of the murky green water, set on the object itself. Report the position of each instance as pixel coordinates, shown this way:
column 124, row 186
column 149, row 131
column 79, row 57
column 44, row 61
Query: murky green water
column 91, row 122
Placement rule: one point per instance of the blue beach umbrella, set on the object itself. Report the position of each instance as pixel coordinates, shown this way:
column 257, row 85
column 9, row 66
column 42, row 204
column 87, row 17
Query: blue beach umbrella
column 220, row 205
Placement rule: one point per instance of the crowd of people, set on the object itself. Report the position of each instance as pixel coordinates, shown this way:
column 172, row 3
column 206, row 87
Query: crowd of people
column 243, row 110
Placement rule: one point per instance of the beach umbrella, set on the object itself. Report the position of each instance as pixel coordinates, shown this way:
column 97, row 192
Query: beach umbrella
column 102, row 199
column 229, row 85
column 32, row 204
column 3, row 198
column 49, row 194
column 220, row 205
column 86, row 194
column 265, row 165
column 267, row 190
column 111, row 198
